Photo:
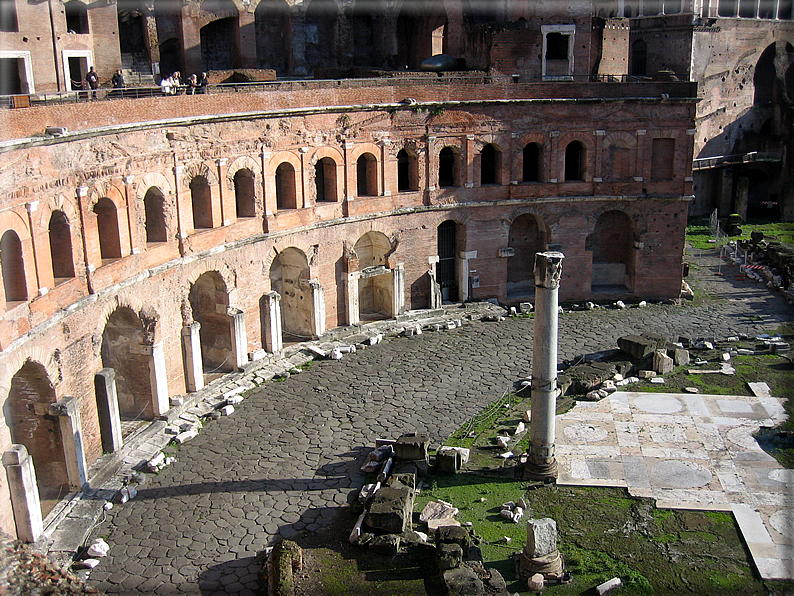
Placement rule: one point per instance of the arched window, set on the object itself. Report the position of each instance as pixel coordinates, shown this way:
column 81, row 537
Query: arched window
column 61, row 247
column 76, row 17
column 532, row 163
column 490, row 164
column 367, row 175
column 574, row 161
column 325, row 180
column 201, row 200
column 447, row 168
column 407, row 171
column 154, row 211
column 13, row 267
column 286, row 197
column 108, row 228
column 244, row 194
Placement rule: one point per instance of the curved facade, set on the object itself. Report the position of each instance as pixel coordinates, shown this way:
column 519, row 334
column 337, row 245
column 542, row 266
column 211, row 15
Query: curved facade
column 143, row 255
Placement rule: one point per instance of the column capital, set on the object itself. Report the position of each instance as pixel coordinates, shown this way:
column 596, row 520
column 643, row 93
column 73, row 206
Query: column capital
column 548, row 269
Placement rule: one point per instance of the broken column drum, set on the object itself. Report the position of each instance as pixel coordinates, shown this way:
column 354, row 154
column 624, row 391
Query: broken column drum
column 541, row 463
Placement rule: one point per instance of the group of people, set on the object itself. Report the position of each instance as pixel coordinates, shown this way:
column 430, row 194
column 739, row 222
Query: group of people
column 92, row 78
column 174, row 85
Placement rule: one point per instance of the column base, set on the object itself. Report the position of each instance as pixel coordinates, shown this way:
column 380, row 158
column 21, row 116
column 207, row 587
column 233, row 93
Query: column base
column 545, row 471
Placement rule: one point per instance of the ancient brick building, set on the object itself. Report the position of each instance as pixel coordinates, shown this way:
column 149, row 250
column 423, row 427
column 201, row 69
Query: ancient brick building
column 149, row 242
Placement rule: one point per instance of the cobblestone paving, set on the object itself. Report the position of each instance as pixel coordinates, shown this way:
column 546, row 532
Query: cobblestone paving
column 285, row 461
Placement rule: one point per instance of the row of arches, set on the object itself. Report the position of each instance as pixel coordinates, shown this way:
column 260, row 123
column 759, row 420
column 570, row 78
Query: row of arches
column 151, row 219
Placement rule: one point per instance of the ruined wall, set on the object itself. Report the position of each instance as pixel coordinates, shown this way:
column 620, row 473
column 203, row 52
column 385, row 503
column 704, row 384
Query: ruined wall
column 118, row 309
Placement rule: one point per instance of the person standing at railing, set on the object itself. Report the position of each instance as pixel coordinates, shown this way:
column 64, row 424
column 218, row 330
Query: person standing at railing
column 192, row 85
column 203, row 81
column 92, row 78
column 118, row 80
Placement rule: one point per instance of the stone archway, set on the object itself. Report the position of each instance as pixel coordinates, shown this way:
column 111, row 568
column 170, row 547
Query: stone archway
column 526, row 237
column 126, row 350
column 289, row 277
column 375, row 285
column 612, row 244
column 209, row 301
column 27, row 415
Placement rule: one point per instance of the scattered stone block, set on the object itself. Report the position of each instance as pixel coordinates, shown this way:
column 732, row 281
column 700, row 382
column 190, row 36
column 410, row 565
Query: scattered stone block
column 98, row 548
column 638, row 347
column 438, row 510
column 448, row 461
column 454, row 535
column 691, row 389
column 592, row 396
column 462, row 581
column 402, row 479
column 185, row 436
column 227, row 410
column 681, row 357
column 234, row 400
column 464, row 453
column 387, row 544
column 541, row 537
column 449, row 556
column 602, row 589
column 177, row 402
column 646, row 374
column 502, row 442
column 412, row 447
column 536, row 583
column 662, row 363
column 285, row 559
column 433, row 525
column 521, row 427
column 527, row 417
column 525, row 307
column 760, row 389
column 657, row 381
column 391, row 510
column 726, row 357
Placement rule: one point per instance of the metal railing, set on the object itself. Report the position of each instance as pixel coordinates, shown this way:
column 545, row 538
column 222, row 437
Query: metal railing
column 705, row 163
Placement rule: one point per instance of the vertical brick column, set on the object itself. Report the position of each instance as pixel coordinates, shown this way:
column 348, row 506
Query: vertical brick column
column 134, row 245
column 42, row 262
column 463, row 274
column 226, row 198
column 181, row 217
column 467, row 172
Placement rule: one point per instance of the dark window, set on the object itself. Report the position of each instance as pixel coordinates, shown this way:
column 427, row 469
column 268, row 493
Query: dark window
column 76, row 17
column 748, row 8
column 201, row 199
column 557, row 46
column 446, row 167
column 574, row 161
column 60, row 246
column 286, row 196
column 13, row 267
column 108, row 228
column 155, row 215
column 325, row 179
column 532, row 166
column 8, row 16
column 244, row 195
column 407, row 171
column 639, row 58
column 727, row 8
column 367, row 175
column 445, row 270
column 489, row 165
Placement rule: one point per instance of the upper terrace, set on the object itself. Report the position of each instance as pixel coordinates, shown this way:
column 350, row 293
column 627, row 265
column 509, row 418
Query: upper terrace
column 78, row 112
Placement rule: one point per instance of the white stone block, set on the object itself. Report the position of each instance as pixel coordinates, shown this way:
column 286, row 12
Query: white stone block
column 657, row 381
column 234, row 400
column 602, row 589
column 185, row 436
column 177, row 402
column 520, row 428
column 227, row 410
column 98, row 548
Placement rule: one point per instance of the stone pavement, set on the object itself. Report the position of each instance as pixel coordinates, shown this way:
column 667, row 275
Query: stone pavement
column 688, row 452
column 285, row 461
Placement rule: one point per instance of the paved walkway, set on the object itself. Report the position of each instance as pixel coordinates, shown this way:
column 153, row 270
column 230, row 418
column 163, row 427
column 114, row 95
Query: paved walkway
column 285, row 461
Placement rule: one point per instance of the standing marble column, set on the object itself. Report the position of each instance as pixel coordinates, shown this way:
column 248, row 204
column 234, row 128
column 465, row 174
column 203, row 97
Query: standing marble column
column 541, row 463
